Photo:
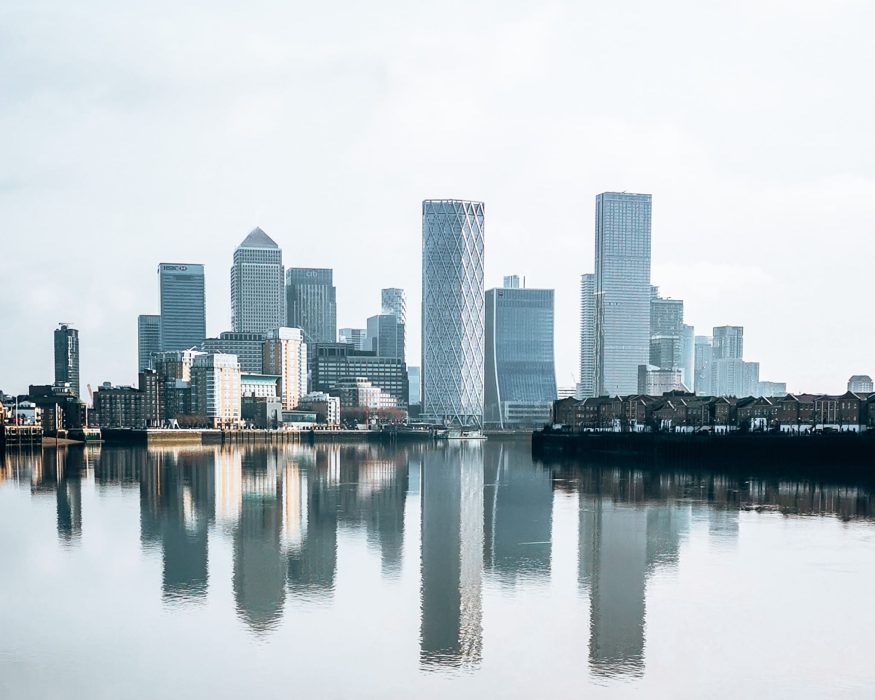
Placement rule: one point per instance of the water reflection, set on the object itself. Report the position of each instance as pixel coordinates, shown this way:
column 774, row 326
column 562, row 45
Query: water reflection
column 487, row 516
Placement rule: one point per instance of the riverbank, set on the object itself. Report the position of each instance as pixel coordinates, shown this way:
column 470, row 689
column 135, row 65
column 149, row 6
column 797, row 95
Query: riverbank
column 157, row 436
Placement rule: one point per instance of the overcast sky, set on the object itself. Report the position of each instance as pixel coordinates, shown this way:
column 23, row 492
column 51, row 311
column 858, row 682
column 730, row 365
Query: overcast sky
column 135, row 133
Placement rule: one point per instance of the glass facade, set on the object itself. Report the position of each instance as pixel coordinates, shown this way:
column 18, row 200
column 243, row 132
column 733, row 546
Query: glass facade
column 587, row 387
column 394, row 302
column 183, row 306
column 335, row 363
column 67, row 357
column 311, row 303
column 257, row 292
column 386, row 336
column 728, row 342
column 452, row 312
column 622, row 290
column 520, row 377
column 148, row 339
column 246, row 346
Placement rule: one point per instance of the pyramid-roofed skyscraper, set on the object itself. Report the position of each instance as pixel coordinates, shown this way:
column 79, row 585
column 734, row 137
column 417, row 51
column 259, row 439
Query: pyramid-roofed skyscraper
column 257, row 285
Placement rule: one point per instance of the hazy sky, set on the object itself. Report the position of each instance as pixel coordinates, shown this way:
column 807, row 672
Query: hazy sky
column 135, row 133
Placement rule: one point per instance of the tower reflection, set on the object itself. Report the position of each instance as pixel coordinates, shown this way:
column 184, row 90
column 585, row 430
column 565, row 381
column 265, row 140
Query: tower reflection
column 451, row 556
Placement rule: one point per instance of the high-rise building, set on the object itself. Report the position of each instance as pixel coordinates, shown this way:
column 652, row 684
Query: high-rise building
column 452, row 312
column 148, row 339
column 335, row 363
column 413, row 381
column 285, row 355
column 688, row 356
column 386, row 335
column 394, row 301
column 671, row 341
column 520, row 376
column 247, row 347
column 656, row 381
column 587, row 385
column 183, row 306
column 357, row 337
column 622, row 290
column 860, row 383
column 728, row 343
column 702, row 370
column 258, row 302
column 732, row 376
column 67, row 357
column 215, row 389
column 311, row 303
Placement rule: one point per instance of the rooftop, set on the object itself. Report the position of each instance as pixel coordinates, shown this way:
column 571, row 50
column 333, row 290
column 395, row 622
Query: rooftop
column 258, row 239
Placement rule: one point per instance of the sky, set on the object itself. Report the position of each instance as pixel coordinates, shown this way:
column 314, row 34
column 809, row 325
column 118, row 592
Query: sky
column 139, row 133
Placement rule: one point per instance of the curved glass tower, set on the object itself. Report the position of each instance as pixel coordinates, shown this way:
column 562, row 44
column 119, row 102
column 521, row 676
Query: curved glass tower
column 452, row 312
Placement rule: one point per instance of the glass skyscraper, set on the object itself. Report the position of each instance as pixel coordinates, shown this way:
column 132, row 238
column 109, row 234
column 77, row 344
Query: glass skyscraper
column 311, row 303
column 148, row 339
column 622, row 290
column 520, row 381
column 257, row 292
column 394, row 302
column 587, row 386
column 183, row 306
column 67, row 357
column 452, row 312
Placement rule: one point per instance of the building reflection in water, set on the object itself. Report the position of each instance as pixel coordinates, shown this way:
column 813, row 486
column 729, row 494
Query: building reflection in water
column 518, row 515
column 451, row 556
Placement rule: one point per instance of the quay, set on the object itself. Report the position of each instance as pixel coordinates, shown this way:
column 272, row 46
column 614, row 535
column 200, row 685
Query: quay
column 182, row 436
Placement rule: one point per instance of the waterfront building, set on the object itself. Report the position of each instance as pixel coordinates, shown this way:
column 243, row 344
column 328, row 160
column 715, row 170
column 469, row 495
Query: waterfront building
column 262, row 412
column 331, row 363
column 702, row 368
column 311, row 303
column 174, row 377
column 258, row 299
column 215, row 389
column 118, row 407
column 733, row 376
column 261, row 386
column 357, row 337
column 148, row 339
column 386, row 335
column 656, row 381
column 587, row 385
column 325, row 406
column 860, row 383
column 453, row 313
column 622, row 290
column 183, row 305
column 394, row 301
column 150, row 386
column 414, row 384
column 285, row 355
column 67, row 358
column 247, row 347
column 520, row 376
column 359, row 392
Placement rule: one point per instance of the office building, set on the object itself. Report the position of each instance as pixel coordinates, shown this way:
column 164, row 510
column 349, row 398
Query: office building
column 247, row 347
column 453, row 313
column 413, row 382
column 183, row 306
column 357, row 337
column 148, row 339
column 67, row 358
column 861, row 383
column 656, row 381
column 215, row 390
column 386, row 335
column 311, row 303
column 361, row 393
column 728, row 343
column 520, row 376
column 332, row 363
column 622, row 290
column 688, row 356
column 285, row 355
column 325, row 406
column 394, row 301
column 258, row 301
column 702, row 368
column 587, row 385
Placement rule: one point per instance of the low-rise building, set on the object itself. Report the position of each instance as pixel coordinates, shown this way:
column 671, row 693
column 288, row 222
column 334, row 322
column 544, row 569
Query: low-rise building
column 118, row 407
column 325, row 406
column 215, row 390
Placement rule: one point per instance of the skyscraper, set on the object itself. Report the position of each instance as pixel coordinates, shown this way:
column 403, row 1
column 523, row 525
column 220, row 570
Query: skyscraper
column 247, row 347
column 148, row 339
column 520, row 377
column 183, row 306
column 728, row 342
column 587, row 386
column 452, row 312
column 311, row 303
column 386, row 336
column 257, row 292
column 394, row 302
column 67, row 357
column 357, row 337
column 704, row 355
column 622, row 290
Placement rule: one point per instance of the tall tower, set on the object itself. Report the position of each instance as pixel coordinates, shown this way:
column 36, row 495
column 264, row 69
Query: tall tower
column 67, row 357
column 311, row 303
column 587, row 387
column 257, row 292
column 622, row 290
column 183, row 306
column 394, row 302
column 452, row 312
column 148, row 339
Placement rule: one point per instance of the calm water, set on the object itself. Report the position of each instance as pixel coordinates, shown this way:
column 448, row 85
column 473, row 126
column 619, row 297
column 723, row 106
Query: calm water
column 463, row 571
